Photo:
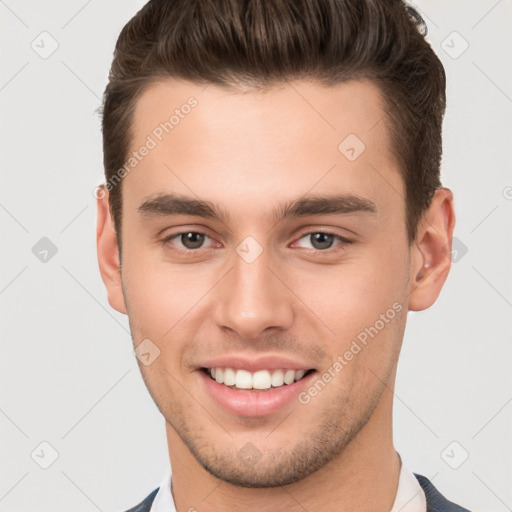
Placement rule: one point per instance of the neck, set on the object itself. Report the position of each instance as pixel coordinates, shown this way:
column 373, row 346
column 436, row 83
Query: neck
column 363, row 477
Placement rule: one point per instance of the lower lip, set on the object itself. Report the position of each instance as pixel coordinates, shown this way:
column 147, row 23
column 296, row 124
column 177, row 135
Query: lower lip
column 254, row 403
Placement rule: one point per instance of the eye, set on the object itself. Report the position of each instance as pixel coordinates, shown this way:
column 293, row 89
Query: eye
column 322, row 241
column 189, row 240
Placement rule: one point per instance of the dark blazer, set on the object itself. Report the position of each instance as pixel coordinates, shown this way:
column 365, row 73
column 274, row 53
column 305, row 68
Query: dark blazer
column 436, row 502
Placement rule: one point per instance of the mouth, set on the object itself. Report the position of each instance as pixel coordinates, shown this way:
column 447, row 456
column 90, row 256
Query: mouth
column 256, row 393
column 261, row 380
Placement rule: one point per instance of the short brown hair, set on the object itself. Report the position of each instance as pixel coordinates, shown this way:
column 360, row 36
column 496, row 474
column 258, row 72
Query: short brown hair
column 259, row 43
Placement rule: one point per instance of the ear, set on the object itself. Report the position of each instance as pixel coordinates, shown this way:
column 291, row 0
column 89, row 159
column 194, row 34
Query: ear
column 432, row 251
column 108, row 252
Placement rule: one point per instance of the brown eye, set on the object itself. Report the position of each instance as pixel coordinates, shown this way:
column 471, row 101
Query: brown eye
column 321, row 241
column 192, row 240
column 185, row 241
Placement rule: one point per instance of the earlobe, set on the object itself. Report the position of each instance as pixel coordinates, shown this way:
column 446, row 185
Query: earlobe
column 431, row 252
column 108, row 254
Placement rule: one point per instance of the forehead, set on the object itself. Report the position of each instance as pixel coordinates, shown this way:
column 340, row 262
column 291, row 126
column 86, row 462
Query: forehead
column 309, row 110
column 277, row 143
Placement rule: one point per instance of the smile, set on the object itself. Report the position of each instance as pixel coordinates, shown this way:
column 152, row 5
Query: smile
column 259, row 393
column 259, row 380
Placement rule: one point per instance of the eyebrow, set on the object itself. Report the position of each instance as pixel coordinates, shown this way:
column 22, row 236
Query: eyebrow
column 164, row 205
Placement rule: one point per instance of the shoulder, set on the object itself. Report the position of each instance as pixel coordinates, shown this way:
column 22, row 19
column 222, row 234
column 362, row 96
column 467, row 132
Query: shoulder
column 145, row 504
column 436, row 502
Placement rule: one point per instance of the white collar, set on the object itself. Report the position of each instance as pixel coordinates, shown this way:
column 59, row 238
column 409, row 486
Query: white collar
column 164, row 501
column 409, row 497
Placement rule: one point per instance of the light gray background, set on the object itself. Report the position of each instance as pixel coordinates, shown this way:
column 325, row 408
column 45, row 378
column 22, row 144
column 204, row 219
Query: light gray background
column 68, row 373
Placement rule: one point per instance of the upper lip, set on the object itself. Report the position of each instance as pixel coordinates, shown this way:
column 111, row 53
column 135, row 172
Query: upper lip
column 253, row 364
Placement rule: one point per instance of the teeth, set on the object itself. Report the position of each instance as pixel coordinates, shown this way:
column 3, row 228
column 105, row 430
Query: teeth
column 229, row 377
column 289, row 376
column 277, row 378
column 262, row 379
column 243, row 379
column 299, row 374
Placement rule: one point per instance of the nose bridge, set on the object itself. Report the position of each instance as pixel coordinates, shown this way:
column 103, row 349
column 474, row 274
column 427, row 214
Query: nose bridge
column 251, row 299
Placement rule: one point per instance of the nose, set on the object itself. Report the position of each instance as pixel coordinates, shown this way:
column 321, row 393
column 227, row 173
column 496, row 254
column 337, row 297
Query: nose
column 252, row 299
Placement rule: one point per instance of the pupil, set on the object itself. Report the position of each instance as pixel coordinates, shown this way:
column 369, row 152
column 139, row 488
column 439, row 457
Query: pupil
column 192, row 240
column 321, row 240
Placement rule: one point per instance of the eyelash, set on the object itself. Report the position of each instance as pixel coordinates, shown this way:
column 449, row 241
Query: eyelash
column 342, row 241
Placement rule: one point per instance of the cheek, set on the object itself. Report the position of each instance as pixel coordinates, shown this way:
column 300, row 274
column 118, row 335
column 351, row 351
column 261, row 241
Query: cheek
column 157, row 294
column 352, row 295
column 360, row 307
column 167, row 303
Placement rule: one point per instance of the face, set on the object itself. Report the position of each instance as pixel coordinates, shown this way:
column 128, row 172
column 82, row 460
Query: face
column 266, row 264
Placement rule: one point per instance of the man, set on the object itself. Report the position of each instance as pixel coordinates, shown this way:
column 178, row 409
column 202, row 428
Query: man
column 272, row 210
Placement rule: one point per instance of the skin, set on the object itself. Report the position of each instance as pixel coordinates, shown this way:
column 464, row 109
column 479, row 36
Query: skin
column 248, row 151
